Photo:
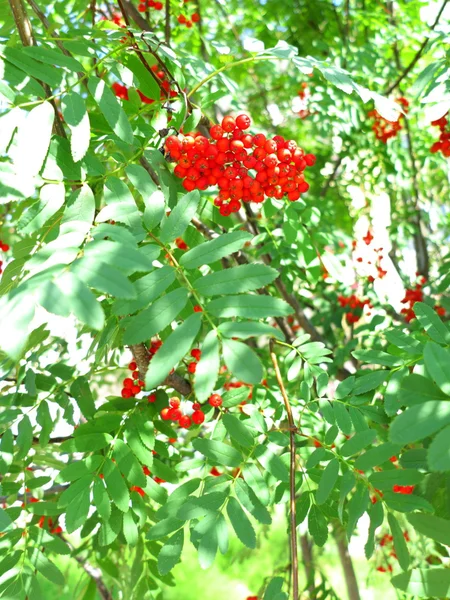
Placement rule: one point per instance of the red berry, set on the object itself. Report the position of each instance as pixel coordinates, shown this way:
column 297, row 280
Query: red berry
column 136, row 389
column 192, row 367
column 185, row 422
column 174, row 402
column 196, row 353
column 228, row 124
column 198, row 308
column 126, row 393
column 132, row 366
column 215, row 400
column 151, row 398
column 243, row 122
column 195, row 18
column 196, row 406
column 198, row 417
column 175, row 414
column 165, row 414
column 128, row 383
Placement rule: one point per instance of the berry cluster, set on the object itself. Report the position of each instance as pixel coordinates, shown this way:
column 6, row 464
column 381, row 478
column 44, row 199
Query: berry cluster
column 304, row 95
column 182, row 20
column 379, row 271
column 131, row 386
column 121, row 91
column 4, row 247
column 174, row 413
column 245, row 167
column 386, row 543
column 413, row 295
column 146, row 4
column 403, row 489
column 196, row 355
column 52, row 528
column 443, row 144
column 384, row 129
column 355, row 306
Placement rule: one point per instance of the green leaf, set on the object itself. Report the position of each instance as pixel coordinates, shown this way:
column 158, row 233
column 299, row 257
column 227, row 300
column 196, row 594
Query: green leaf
column 81, row 391
column 110, row 529
column 155, row 318
column 343, row 419
column 431, row 322
column 424, row 583
column 207, row 370
column 359, row 441
column 116, row 486
column 146, row 290
column 86, row 443
column 436, row 528
column 127, row 259
column 439, row 451
column 215, row 249
column 130, row 529
column 104, row 278
column 249, row 306
column 33, row 139
column 250, row 501
column 5, row 521
column 420, row 421
column 327, row 481
column 437, row 363
column 385, row 480
column 238, row 430
column 241, row 523
column 170, row 553
column 24, row 438
column 83, row 303
column 180, row 217
column 242, row 361
column 207, row 548
column 274, row 590
column 243, row 278
column 400, row 546
column 78, row 510
column 128, row 465
column 247, row 329
column 369, row 382
column 51, row 198
column 357, row 506
column 101, row 500
column 45, row 567
column 79, row 212
column 111, row 109
column 218, row 452
column 377, row 357
column 376, row 515
column 391, row 395
column 317, row 525
column 120, row 206
column 77, row 118
column 272, row 463
column 376, row 456
column 175, row 347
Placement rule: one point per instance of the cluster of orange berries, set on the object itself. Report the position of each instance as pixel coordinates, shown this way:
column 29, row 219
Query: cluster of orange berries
column 146, row 4
column 443, row 144
column 4, row 247
column 384, row 129
column 413, row 295
column 131, row 386
column 355, row 306
column 182, row 20
column 245, row 167
column 380, row 272
column 174, row 413
column 386, row 542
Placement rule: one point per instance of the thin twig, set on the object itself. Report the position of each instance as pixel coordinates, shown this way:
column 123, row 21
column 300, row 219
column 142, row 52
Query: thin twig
column 167, row 24
column 292, row 432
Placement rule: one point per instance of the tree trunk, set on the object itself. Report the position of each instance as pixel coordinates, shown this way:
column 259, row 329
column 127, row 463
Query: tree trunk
column 347, row 563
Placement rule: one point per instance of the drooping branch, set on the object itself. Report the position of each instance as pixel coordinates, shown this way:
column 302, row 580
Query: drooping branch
column 418, row 54
column 93, row 572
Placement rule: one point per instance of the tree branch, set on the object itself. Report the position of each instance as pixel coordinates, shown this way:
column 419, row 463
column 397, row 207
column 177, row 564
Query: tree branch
column 167, row 23
column 292, row 470
column 418, row 54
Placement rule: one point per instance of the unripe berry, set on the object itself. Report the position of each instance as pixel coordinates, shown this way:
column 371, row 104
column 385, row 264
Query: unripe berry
column 174, row 402
column 165, row 414
column 228, row 124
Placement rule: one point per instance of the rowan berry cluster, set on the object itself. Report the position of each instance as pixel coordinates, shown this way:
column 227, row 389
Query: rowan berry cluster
column 131, row 386
column 386, row 543
column 144, row 5
column 245, row 167
column 413, row 295
column 355, row 307
column 443, row 144
column 52, row 528
column 403, row 489
column 196, row 354
column 121, row 91
column 304, row 95
column 384, row 129
column 379, row 271
column 183, row 20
